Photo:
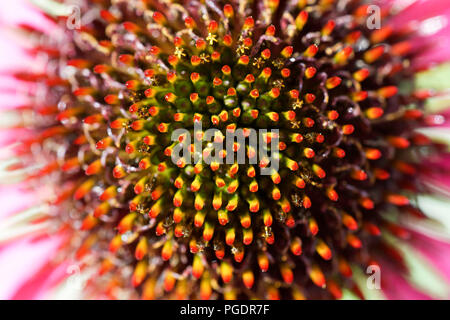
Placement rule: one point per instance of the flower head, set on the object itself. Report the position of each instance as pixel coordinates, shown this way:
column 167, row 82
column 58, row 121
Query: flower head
column 329, row 95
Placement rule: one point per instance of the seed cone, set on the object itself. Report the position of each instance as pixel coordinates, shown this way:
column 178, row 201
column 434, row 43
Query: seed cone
column 117, row 89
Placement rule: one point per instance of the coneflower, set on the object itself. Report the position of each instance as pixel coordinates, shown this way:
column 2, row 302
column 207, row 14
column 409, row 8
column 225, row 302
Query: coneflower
column 114, row 91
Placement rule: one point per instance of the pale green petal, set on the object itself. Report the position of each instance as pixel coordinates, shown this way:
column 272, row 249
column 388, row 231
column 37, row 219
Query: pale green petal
column 10, row 119
column 53, row 7
column 8, row 177
column 440, row 135
column 361, row 280
column 348, row 295
column 437, row 78
column 16, row 232
column 436, row 208
column 72, row 286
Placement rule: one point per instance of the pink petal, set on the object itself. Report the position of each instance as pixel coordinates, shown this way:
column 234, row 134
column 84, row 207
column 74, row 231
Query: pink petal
column 42, row 282
column 431, row 20
column 23, row 258
column 15, row 199
column 419, row 10
column 22, row 11
column 396, row 287
column 436, row 251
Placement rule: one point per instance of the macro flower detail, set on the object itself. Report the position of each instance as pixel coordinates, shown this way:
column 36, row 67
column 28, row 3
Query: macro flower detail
column 339, row 95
